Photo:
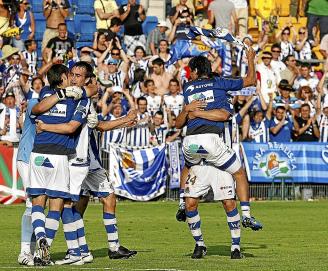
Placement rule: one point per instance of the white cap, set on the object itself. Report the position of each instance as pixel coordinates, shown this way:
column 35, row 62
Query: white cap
column 117, row 89
column 163, row 23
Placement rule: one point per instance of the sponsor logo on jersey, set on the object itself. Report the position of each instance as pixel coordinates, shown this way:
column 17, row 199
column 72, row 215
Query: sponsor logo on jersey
column 59, row 110
column 42, row 161
column 206, row 96
column 194, row 148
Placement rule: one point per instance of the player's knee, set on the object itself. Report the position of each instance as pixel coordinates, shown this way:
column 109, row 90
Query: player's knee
column 239, row 174
column 191, row 204
column 229, row 205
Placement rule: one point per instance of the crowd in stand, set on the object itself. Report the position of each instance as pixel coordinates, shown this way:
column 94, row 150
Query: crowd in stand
column 291, row 98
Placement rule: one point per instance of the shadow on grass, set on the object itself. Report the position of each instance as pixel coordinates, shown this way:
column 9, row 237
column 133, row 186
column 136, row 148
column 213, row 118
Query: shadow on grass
column 97, row 253
column 224, row 250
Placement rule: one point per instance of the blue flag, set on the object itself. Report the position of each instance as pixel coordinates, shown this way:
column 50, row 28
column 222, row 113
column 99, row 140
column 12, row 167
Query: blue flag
column 138, row 174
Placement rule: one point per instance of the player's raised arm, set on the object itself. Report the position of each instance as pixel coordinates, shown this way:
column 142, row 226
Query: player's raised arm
column 250, row 79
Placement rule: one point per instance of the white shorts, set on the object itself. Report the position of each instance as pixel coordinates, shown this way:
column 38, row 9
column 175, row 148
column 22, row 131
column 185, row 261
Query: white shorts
column 49, row 175
column 23, row 170
column 97, row 183
column 211, row 150
column 201, row 178
column 78, row 171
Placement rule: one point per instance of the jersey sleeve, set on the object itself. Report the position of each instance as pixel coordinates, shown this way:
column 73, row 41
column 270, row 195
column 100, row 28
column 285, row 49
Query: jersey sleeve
column 81, row 111
column 227, row 84
column 31, row 103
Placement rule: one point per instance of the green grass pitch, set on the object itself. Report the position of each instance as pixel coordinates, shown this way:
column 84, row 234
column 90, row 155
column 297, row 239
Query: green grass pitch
column 295, row 237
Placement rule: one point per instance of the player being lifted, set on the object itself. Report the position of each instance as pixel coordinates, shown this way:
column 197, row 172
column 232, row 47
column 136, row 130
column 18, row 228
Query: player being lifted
column 206, row 108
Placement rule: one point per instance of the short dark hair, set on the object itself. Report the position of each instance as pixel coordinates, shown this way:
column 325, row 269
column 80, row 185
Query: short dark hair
column 305, row 105
column 55, row 73
column 287, row 58
column 61, row 24
column 139, row 75
column 267, row 53
column 159, row 112
column 139, row 48
column 281, row 107
column 146, row 83
column 275, row 45
column 28, row 43
column 115, row 21
column 306, row 65
column 142, row 98
column 201, row 65
column 158, row 61
column 85, row 65
column 174, row 80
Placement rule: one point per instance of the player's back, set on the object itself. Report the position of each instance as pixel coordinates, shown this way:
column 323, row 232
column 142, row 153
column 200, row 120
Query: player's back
column 214, row 92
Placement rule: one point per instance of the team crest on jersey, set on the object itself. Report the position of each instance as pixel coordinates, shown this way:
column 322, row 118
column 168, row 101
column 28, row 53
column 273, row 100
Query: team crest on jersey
column 206, row 96
column 42, row 161
column 59, row 110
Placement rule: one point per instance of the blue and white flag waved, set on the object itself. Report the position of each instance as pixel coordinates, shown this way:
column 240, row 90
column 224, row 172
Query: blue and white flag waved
column 300, row 162
column 138, row 174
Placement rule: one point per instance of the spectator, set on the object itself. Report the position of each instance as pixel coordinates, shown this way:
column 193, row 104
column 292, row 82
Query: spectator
column 264, row 37
column 138, row 88
column 24, row 19
column 282, row 36
column 5, row 17
column 306, row 127
column 281, row 127
column 155, row 36
column 132, row 15
column 139, row 135
column 305, row 79
column 55, row 12
column 222, row 12
column 241, row 9
column 322, row 119
column 183, row 20
column 160, row 76
column 158, row 129
column 317, row 14
column 61, row 47
column 304, row 45
column 284, row 97
column 30, row 57
column 276, row 64
column 324, row 46
column 174, row 100
column 154, row 102
column 266, row 76
column 264, row 11
column 11, row 130
column 241, row 61
column 138, row 60
column 177, row 11
column 305, row 96
column 114, row 29
column 291, row 71
column 105, row 10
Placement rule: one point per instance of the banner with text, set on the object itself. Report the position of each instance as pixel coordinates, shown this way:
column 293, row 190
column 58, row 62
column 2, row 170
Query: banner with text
column 302, row 162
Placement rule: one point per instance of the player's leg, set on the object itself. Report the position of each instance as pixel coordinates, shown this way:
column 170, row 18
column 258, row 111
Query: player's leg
column 38, row 223
column 197, row 185
column 73, row 255
column 27, row 236
column 224, row 158
column 79, row 208
column 99, row 185
column 194, row 224
column 233, row 219
column 181, row 213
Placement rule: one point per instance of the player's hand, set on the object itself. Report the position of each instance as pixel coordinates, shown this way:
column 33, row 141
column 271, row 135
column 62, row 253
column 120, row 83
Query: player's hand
column 39, row 126
column 74, row 92
column 132, row 115
column 92, row 120
column 195, row 105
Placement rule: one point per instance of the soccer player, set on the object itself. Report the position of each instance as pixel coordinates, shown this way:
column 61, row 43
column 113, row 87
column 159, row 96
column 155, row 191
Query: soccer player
column 49, row 163
column 205, row 130
column 96, row 182
column 199, row 181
